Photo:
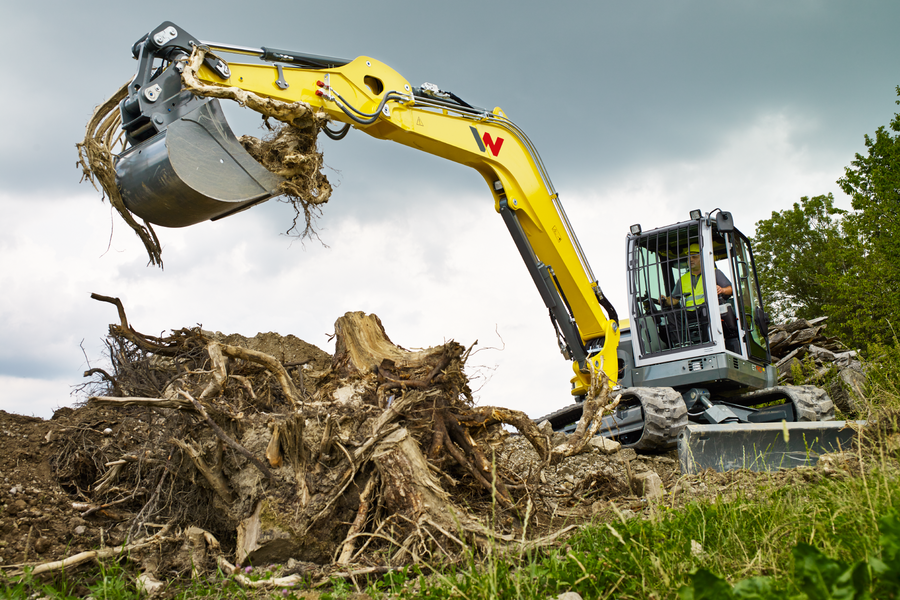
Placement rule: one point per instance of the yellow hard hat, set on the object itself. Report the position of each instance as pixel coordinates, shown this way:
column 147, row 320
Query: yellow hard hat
column 692, row 249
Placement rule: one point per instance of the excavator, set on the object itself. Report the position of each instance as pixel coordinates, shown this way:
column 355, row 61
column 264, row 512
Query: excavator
column 680, row 358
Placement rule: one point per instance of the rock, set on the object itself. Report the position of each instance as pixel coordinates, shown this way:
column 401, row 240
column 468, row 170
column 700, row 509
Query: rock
column 847, row 391
column 846, row 359
column 17, row 507
column 77, row 522
column 80, row 530
column 626, row 454
column 148, row 585
column 605, row 445
column 41, row 545
column 684, row 488
column 569, row 596
column 649, row 485
column 821, row 354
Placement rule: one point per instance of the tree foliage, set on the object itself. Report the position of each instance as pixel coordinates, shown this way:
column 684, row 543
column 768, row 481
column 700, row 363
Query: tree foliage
column 816, row 259
column 802, row 255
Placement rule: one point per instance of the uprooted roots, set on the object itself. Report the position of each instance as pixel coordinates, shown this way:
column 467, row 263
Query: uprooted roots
column 375, row 457
column 289, row 151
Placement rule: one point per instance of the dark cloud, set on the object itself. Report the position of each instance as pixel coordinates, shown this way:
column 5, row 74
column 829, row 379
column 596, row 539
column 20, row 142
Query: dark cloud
column 598, row 86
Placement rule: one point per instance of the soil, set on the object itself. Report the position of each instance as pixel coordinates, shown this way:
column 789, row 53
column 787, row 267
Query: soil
column 41, row 509
column 100, row 476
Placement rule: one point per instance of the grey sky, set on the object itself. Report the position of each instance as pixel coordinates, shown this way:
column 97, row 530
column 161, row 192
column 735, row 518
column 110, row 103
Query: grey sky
column 641, row 111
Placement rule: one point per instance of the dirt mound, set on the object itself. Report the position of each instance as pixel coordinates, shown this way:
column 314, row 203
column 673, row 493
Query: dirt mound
column 199, row 450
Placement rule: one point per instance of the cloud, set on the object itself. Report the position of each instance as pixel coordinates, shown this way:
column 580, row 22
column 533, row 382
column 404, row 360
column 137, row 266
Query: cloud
column 641, row 112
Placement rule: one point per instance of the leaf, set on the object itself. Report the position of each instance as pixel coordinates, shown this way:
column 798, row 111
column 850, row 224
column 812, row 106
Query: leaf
column 823, row 578
column 755, row 588
column 706, row 586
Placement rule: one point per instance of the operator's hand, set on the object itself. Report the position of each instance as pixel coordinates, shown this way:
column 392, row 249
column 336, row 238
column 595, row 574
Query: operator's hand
column 723, row 291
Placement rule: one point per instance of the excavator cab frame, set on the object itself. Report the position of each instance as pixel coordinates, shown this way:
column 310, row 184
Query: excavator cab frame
column 700, row 337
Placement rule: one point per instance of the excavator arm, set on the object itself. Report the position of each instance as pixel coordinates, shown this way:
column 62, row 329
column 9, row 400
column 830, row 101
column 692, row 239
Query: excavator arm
column 185, row 166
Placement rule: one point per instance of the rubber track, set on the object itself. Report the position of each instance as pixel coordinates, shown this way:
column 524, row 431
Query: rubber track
column 567, row 414
column 810, row 403
column 665, row 415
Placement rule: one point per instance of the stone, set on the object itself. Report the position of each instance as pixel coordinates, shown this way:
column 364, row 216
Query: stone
column 649, row 485
column 847, row 391
column 148, row 585
column 605, row 445
column 17, row 507
column 41, row 545
column 821, row 354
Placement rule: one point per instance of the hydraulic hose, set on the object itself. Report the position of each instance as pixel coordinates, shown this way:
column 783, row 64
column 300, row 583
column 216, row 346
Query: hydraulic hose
column 367, row 118
column 337, row 134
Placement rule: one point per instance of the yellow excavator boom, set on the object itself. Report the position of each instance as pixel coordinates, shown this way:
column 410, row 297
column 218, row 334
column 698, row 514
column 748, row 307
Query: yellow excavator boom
column 371, row 97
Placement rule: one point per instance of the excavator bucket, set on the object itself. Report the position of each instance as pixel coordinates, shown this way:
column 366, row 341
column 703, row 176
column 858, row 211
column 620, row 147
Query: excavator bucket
column 193, row 170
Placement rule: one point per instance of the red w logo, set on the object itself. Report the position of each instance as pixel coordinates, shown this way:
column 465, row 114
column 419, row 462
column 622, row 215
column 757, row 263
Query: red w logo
column 487, row 140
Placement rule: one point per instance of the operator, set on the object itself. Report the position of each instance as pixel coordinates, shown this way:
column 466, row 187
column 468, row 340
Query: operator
column 691, row 284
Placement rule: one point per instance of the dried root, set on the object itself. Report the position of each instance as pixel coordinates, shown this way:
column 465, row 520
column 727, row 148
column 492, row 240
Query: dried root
column 376, row 457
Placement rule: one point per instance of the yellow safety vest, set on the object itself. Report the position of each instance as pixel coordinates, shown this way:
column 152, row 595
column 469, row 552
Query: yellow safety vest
column 697, row 296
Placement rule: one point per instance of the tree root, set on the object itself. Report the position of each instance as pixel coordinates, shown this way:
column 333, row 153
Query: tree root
column 83, row 557
column 228, row 441
column 383, row 451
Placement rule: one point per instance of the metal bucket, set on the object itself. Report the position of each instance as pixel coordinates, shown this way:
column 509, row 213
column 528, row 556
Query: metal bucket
column 192, row 171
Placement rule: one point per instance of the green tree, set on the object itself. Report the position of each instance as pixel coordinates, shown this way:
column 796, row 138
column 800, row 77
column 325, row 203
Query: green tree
column 816, row 259
column 802, row 256
column 873, row 184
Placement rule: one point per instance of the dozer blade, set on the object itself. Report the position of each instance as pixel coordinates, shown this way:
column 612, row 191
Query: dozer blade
column 192, row 171
column 761, row 446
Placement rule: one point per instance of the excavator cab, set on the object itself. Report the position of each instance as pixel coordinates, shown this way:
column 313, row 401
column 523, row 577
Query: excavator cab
column 697, row 350
column 679, row 318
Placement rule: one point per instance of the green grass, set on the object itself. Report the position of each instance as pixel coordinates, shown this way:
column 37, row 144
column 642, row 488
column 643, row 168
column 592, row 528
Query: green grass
column 715, row 542
column 738, row 536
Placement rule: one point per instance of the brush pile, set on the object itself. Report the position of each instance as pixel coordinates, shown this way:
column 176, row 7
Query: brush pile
column 231, row 451
column 804, row 354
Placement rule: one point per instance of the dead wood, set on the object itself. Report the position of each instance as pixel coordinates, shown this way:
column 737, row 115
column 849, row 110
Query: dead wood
column 224, row 437
column 290, row 152
column 96, row 157
column 358, row 523
column 212, row 473
column 151, row 402
column 269, row 363
column 378, row 452
column 83, row 557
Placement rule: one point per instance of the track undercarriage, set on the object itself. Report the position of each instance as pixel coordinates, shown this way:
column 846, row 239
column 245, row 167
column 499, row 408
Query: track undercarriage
column 651, row 419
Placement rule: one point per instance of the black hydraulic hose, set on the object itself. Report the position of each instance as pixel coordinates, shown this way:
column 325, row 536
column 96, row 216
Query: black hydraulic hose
column 337, row 134
column 392, row 95
column 354, row 117
column 372, row 117
column 459, row 100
